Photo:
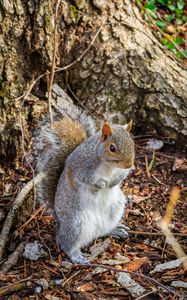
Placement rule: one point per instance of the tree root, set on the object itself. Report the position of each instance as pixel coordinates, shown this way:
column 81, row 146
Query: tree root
column 12, row 259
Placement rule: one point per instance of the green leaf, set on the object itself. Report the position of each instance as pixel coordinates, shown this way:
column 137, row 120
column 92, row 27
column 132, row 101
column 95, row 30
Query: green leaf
column 169, row 18
column 152, row 13
column 161, row 24
column 179, row 55
column 179, row 41
column 179, row 12
column 164, row 2
column 164, row 41
column 151, row 5
column 170, row 46
column 184, row 52
column 180, row 4
column 174, row 50
column 179, row 21
column 171, row 7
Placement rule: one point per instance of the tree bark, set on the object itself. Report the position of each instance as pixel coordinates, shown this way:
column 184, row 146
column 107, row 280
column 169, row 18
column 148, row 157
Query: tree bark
column 125, row 74
column 128, row 74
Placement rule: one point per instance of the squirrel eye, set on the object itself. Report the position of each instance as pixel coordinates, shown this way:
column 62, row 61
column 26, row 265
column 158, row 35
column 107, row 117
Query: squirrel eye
column 112, row 148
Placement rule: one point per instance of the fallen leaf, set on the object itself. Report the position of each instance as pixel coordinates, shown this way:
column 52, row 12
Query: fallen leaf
column 136, row 264
column 168, row 265
column 137, row 199
column 87, row 287
column 134, row 288
column 170, row 29
column 179, row 284
column 154, row 144
column 180, row 164
column 99, row 248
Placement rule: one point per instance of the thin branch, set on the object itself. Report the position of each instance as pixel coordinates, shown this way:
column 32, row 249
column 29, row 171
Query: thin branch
column 53, row 66
column 16, row 286
column 147, row 294
column 164, row 225
column 82, row 55
column 150, row 279
column 24, row 152
column 42, row 207
column 170, row 239
column 155, row 233
column 57, row 69
column 13, row 212
column 157, row 153
column 12, row 259
column 81, row 104
column 32, row 84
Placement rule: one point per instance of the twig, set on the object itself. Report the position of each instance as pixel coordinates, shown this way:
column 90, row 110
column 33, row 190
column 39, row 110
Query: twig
column 157, row 179
column 57, row 69
column 152, row 280
column 155, row 233
column 158, row 153
column 31, row 218
column 24, row 152
column 17, row 286
column 32, row 84
column 53, row 66
column 147, row 294
column 12, row 259
column 174, row 197
column 147, row 167
column 170, row 239
column 163, row 223
column 81, row 104
column 68, row 279
column 82, row 55
column 13, row 212
column 42, row 240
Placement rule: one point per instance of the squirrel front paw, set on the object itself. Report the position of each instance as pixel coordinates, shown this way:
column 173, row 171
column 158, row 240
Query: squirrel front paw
column 120, row 231
column 101, row 184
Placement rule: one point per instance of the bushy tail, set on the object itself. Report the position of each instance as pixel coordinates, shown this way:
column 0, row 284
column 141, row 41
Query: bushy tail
column 53, row 144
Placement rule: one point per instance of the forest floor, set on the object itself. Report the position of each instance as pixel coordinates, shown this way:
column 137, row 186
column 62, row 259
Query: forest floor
column 53, row 276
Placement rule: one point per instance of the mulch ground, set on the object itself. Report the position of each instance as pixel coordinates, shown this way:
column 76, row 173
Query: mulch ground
column 53, row 277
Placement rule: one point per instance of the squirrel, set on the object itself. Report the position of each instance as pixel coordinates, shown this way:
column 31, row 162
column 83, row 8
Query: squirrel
column 83, row 172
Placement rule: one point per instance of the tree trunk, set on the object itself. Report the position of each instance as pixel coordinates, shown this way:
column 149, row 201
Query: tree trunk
column 125, row 74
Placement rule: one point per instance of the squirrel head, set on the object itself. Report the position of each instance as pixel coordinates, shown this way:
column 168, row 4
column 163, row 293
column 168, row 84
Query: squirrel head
column 118, row 145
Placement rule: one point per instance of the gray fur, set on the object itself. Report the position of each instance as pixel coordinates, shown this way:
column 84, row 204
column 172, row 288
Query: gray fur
column 94, row 205
column 76, row 209
column 49, row 150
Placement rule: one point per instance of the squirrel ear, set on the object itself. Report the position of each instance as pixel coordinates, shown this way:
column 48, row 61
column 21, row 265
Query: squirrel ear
column 128, row 126
column 106, row 132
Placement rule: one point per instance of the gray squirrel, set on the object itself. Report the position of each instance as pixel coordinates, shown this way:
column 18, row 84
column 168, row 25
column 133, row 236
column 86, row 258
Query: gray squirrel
column 83, row 172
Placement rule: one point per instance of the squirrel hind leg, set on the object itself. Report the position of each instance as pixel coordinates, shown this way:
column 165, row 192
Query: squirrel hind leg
column 70, row 245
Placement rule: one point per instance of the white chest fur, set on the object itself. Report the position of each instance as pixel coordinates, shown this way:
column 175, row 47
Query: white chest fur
column 102, row 209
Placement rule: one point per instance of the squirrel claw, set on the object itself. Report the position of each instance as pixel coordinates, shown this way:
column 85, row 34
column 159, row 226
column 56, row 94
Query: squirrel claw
column 120, row 231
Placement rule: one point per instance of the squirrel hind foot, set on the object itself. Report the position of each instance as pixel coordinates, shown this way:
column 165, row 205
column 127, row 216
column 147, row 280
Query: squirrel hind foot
column 120, row 231
column 78, row 257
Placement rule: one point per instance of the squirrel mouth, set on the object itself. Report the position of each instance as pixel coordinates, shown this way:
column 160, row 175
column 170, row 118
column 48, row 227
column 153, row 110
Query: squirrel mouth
column 114, row 160
column 121, row 163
